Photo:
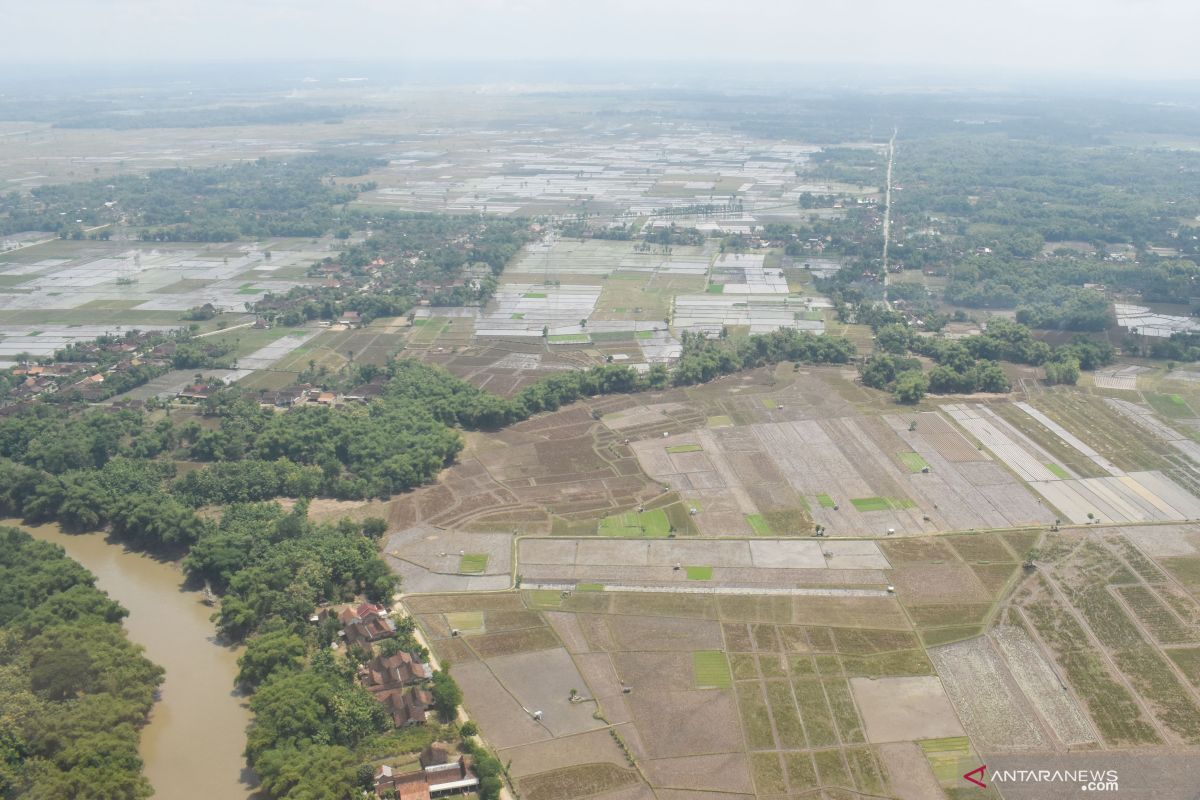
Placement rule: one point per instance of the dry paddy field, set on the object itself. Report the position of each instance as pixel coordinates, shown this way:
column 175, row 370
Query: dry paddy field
column 1116, row 496
column 764, row 564
column 726, row 696
column 773, row 474
column 683, row 634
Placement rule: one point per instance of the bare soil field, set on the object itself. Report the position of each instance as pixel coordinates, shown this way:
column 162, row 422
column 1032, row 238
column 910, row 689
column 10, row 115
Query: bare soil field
column 542, row 681
column 591, row 747
column 937, row 583
column 697, row 722
column 726, row 772
column 904, row 709
column 661, row 633
column 909, row 773
column 580, row 780
column 528, row 640
column 498, row 714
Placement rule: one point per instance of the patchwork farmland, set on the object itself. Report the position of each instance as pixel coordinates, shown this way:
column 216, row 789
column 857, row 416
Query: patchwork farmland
column 656, row 555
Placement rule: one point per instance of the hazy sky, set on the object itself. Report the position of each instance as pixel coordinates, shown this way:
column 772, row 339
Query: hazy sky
column 1135, row 38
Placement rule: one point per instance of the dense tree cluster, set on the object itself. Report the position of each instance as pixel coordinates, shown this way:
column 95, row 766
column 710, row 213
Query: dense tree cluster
column 969, row 364
column 447, row 260
column 1179, row 347
column 274, row 567
column 74, row 691
column 704, row 359
column 209, row 204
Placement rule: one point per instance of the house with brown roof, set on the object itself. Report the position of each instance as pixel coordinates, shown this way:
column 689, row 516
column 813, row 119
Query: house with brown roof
column 403, row 785
column 365, row 624
column 401, row 669
column 442, row 774
column 407, row 707
column 196, row 391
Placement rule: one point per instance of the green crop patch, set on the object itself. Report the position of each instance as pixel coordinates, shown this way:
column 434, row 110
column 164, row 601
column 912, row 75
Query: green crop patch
column 711, row 670
column 881, row 503
column 652, row 524
column 699, row 573
column 465, row 620
column 1058, row 471
column 643, row 334
column 589, row 587
column 914, row 462
column 1170, row 405
column 948, row 758
column 716, row 288
column 760, row 525
column 569, row 338
column 684, row 448
column 534, row 295
column 545, row 598
column 769, row 402
column 473, row 563
column 720, row 421
column 825, row 501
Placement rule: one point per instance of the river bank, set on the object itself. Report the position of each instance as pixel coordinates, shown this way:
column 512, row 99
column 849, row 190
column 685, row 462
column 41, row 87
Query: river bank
column 192, row 744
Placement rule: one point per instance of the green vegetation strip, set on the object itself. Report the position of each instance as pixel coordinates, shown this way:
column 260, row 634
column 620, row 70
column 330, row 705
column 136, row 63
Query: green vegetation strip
column 545, row 598
column 881, row 503
column 759, row 523
column 699, row 573
column 949, row 758
column 711, row 669
column 465, row 620
column 914, row 462
column 684, row 448
column 1058, row 471
column 473, row 563
column 825, row 501
column 652, row 524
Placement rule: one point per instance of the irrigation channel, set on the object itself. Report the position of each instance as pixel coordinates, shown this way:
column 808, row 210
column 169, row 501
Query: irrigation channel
column 192, row 744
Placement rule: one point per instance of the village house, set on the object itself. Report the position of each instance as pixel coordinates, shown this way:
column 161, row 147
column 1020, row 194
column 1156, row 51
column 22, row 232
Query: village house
column 384, row 673
column 444, row 772
column 407, row 707
column 366, row 623
column 197, row 391
column 291, row 395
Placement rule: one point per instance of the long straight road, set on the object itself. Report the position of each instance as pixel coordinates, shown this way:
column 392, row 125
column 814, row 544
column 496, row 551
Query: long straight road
column 887, row 209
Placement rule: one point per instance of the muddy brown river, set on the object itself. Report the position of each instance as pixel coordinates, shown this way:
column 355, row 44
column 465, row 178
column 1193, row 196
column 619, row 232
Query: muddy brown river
column 192, row 745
